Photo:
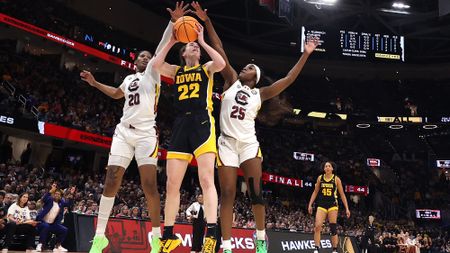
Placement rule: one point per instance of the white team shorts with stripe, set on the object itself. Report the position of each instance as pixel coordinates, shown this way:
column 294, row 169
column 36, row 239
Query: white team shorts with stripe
column 233, row 153
column 128, row 142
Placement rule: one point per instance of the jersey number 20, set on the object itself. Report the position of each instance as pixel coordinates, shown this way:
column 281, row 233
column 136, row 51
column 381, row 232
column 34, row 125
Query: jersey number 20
column 133, row 99
column 184, row 89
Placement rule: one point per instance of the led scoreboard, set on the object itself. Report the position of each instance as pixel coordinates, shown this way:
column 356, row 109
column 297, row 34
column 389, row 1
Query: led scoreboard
column 428, row 214
column 357, row 45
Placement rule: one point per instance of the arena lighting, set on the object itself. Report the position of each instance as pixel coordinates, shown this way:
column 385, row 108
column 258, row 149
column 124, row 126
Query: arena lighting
column 321, row 115
column 396, row 11
column 429, row 127
column 362, row 125
column 399, row 5
column 396, row 127
column 321, row 2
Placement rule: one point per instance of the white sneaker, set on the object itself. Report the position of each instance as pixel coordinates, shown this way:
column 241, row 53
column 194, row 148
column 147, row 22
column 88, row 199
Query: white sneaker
column 4, row 250
column 60, row 249
column 39, row 247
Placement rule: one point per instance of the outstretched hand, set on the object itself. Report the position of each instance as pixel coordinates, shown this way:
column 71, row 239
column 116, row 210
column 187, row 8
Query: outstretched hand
column 199, row 30
column 311, row 45
column 179, row 11
column 87, row 77
column 201, row 13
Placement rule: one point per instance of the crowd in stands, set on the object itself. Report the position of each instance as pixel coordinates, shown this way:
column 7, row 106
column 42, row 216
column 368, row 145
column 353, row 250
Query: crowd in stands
column 61, row 98
column 131, row 203
column 60, row 19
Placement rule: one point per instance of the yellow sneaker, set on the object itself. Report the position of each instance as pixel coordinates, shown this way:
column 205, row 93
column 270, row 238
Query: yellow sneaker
column 169, row 244
column 209, row 245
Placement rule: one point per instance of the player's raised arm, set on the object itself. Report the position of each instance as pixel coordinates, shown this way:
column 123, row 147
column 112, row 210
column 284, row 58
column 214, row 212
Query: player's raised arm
column 159, row 63
column 229, row 74
column 217, row 62
column 112, row 92
column 277, row 87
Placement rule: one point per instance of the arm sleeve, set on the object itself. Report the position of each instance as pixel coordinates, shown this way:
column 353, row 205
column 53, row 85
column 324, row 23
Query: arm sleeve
column 47, row 197
column 190, row 209
column 166, row 37
column 12, row 209
column 67, row 203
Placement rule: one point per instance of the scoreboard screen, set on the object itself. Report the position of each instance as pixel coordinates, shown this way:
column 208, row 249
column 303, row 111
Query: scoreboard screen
column 428, row 214
column 357, row 45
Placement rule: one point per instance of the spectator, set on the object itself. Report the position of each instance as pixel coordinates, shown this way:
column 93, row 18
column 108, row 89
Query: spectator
column 3, row 206
column 51, row 216
column 32, row 208
column 196, row 214
column 135, row 213
column 20, row 222
column 3, row 212
column 26, row 155
column 124, row 212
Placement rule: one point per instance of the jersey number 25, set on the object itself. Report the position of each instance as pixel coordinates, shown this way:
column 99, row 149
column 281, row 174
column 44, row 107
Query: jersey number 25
column 237, row 112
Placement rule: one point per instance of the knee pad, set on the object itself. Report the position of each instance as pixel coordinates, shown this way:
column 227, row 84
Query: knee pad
column 255, row 197
column 333, row 229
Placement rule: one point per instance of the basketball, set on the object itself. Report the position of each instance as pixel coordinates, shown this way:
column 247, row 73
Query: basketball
column 185, row 29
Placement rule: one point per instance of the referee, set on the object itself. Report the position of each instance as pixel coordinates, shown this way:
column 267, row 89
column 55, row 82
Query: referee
column 196, row 214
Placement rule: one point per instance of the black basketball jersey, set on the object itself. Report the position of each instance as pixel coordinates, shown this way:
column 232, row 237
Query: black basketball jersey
column 328, row 190
column 193, row 89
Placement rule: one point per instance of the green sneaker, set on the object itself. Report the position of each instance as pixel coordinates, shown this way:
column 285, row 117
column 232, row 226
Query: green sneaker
column 261, row 246
column 156, row 245
column 227, row 251
column 98, row 244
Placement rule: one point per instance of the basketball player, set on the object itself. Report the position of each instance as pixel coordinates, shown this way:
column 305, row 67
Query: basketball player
column 193, row 133
column 135, row 135
column 238, row 145
column 327, row 186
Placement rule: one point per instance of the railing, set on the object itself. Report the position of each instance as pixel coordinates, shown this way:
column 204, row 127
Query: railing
column 9, row 87
column 23, row 100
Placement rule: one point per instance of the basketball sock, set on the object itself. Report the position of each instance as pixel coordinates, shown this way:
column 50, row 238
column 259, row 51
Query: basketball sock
column 334, row 249
column 226, row 244
column 261, row 234
column 168, row 232
column 211, row 229
column 156, row 232
column 106, row 205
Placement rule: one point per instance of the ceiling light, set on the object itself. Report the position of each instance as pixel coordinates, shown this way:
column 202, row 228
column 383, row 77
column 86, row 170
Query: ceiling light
column 396, row 11
column 429, row 127
column 362, row 125
column 396, row 126
column 399, row 5
column 321, row 2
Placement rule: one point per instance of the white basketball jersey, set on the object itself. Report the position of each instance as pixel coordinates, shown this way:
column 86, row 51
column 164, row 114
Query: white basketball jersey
column 240, row 106
column 141, row 99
